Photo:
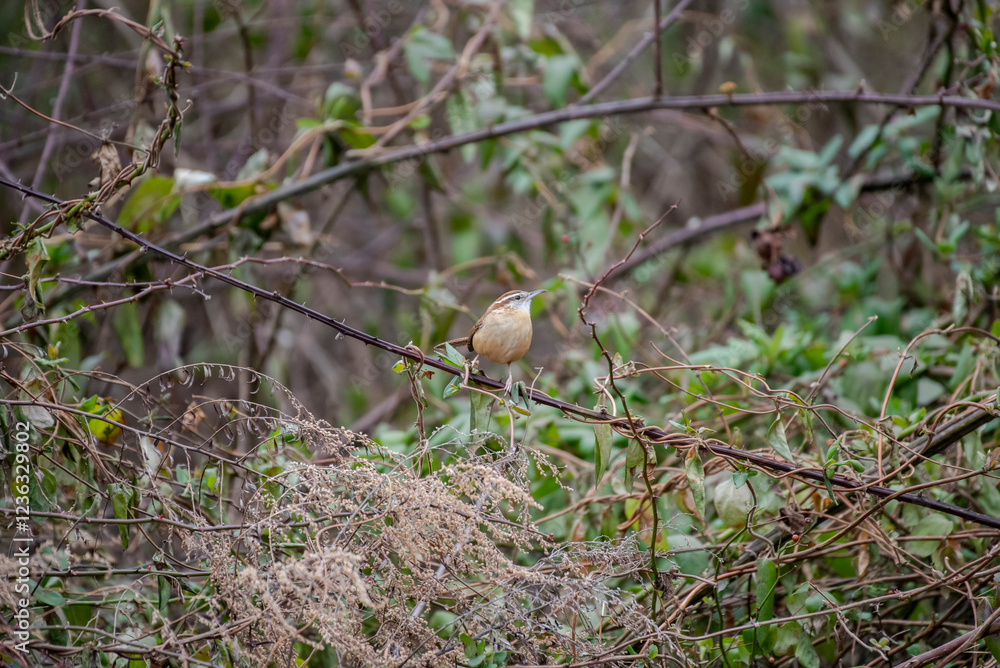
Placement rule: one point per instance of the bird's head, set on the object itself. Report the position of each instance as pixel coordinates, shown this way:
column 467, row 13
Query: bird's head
column 517, row 299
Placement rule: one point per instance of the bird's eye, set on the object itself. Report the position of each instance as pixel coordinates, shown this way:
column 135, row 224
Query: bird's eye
column 517, row 296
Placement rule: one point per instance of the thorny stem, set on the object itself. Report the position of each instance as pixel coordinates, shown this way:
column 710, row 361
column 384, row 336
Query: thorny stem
column 603, row 110
column 647, row 450
column 653, row 433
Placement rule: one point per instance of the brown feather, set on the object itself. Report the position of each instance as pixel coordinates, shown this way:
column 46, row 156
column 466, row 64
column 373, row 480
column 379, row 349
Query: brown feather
column 498, row 304
column 472, row 333
column 459, row 342
column 502, row 335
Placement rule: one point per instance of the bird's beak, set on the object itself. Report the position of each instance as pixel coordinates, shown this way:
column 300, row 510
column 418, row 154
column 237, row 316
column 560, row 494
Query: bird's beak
column 535, row 293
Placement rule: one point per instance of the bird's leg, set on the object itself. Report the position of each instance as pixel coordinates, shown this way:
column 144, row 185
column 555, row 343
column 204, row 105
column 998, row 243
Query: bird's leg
column 510, row 380
column 470, row 368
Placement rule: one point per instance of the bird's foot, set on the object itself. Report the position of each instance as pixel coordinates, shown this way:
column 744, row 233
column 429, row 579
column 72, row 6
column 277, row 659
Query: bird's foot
column 470, row 369
column 509, row 385
column 516, row 391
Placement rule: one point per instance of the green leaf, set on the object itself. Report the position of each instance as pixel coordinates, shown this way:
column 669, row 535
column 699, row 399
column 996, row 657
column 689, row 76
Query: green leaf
column 232, row 197
column 49, row 597
column 481, row 410
column 36, row 497
column 806, row 653
column 634, row 454
column 633, row 459
column 731, row 503
column 79, row 615
column 453, row 387
column 520, row 411
column 126, row 325
column 830, row 150
column 993, row 645
column 355, row 139
column 602, row 451
column 571, row 131
column 776, row 437
column 488, row 148
column 989, row 497
column 827, row 475
column 864, row 139
column 462, row 118
column 767, row 576
column 163, row 594
column 522, row 11
column 121, row 497
column 848, row 191
column 423, row 46
column 452, row 356
column 210, row 479
column 518, row 391
column 38, row 255
column 931, row 525
column 689, row 558
column 695, row 471
column 546, row 46
column 341, row 102
column 788, row 635
column 559, row 71
column 152, row 201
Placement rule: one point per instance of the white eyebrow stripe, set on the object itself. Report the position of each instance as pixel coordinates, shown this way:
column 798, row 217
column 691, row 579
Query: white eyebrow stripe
column 504, row 300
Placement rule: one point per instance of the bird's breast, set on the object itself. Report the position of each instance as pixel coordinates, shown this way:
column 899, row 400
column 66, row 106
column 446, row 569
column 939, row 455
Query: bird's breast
column 504, row 337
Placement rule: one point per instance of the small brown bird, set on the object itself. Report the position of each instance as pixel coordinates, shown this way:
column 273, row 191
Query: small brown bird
column 503, row 334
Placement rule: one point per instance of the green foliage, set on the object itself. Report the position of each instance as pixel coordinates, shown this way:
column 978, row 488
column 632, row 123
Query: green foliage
column 422, row 47
column 223, row 518
column 126, row 323
column 150, row 204
column 602, row 451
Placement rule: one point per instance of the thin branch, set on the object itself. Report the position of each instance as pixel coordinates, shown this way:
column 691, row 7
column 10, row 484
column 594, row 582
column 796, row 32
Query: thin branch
column 637, row 50
column 651, row 432
column 603, row 110
column 657, row 56
column 67, row 76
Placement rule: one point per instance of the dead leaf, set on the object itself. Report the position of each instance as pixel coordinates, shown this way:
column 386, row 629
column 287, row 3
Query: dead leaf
column 109, row 165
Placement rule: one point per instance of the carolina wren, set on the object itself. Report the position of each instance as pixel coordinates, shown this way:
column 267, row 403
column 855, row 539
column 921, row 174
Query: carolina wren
column 503, row 334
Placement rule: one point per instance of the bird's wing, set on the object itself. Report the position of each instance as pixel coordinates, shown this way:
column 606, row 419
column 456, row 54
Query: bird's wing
column 472, row 333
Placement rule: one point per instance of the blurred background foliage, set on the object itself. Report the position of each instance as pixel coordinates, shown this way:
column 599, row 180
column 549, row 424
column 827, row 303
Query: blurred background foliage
column 825, row 292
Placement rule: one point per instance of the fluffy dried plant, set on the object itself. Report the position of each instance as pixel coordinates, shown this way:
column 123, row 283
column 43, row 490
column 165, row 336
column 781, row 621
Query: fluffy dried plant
column 389, row 564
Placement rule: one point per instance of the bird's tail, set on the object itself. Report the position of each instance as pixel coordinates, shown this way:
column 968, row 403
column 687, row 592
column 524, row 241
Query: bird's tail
column 455, row 343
